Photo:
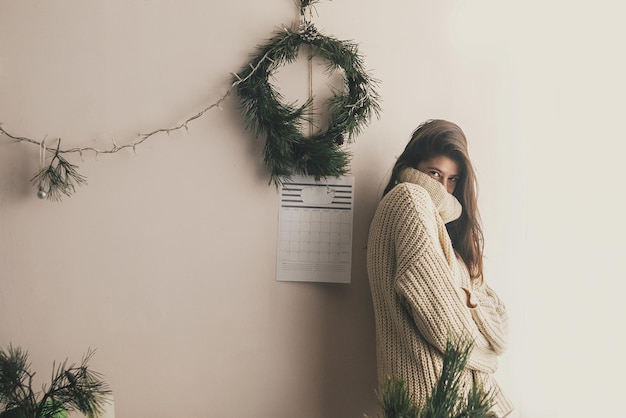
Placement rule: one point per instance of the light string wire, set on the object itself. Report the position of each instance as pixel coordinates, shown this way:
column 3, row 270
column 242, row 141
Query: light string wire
column 51, row 184
column 141, row 138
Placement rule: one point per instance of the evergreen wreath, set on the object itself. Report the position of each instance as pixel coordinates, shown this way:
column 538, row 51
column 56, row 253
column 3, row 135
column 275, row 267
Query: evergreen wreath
column 287, row 151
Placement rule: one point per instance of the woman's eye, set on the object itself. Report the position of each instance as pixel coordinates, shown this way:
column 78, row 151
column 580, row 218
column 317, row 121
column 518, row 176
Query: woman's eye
column 434, row 173
column 454, row 179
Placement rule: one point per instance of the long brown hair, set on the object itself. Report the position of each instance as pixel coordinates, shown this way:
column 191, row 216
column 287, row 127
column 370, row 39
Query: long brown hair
column 435, row 138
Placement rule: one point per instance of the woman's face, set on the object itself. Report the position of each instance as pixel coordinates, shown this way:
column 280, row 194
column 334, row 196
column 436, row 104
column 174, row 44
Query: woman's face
column 443, row 169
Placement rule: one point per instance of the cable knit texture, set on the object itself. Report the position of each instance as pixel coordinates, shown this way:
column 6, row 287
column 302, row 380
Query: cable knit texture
column 416, row 280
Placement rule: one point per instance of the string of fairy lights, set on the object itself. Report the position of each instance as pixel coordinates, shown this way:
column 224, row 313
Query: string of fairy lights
column 66, row 175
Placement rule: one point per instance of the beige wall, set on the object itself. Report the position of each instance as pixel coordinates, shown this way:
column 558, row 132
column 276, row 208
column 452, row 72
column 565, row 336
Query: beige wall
column 165, row 262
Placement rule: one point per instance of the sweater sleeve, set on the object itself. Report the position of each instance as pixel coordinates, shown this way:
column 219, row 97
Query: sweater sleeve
column 491, row 317
column 425, row 281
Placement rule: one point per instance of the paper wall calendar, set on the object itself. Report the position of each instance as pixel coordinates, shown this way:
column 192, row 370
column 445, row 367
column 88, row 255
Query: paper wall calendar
column 315, row 230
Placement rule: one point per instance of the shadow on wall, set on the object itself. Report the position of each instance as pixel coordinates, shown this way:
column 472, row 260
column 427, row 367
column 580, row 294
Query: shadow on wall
column 347, row 349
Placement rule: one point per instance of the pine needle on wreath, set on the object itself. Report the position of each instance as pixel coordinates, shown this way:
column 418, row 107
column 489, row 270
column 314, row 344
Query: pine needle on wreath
column 287, row 151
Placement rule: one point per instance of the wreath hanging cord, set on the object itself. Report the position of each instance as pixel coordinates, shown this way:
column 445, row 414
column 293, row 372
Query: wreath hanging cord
column 287, row 151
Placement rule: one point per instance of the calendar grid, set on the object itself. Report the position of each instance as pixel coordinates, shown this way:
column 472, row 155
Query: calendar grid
column 315, row 236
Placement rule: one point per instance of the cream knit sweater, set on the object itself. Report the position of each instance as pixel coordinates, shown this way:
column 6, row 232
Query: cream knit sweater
column 416, row 281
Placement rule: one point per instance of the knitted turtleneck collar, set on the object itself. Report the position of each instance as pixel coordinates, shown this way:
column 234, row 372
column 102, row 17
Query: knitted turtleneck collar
column 448, row 206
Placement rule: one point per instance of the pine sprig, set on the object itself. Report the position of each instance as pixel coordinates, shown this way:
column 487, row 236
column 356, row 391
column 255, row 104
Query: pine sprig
column 72, row 388
column 479, row 403
column 447, row 399
column 287, row 151
column 59, row 178
column 15, row 378
column 395, row 400
column 77, row 388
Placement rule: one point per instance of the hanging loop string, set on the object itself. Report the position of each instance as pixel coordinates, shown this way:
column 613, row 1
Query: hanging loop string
column 41, row 192
column 310, row 68
column 42, row 154
column 311, row 110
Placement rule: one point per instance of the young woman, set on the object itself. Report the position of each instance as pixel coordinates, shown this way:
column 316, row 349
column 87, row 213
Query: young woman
column 425, row 268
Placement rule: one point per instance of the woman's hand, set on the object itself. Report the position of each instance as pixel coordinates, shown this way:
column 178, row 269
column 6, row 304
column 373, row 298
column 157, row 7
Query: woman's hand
column 467, row 297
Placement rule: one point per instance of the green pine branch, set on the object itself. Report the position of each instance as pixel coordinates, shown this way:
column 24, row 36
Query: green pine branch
column 59, row 178
column 447, row 399
column 72, row 388
column 395, row 400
